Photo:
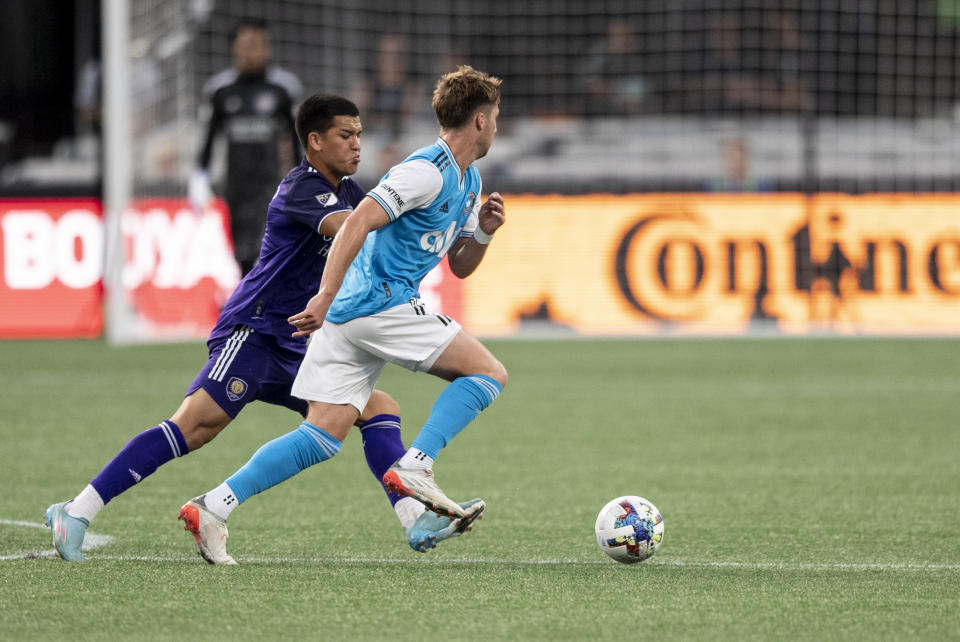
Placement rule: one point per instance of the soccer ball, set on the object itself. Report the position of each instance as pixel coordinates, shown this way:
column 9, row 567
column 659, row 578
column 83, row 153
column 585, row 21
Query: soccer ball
column 629, row 529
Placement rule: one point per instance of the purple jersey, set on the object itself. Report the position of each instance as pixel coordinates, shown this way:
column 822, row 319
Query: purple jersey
column 292, row 257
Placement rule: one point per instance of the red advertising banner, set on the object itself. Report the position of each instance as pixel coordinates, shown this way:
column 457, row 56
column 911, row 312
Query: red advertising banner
column 179, row 267
column 178, row 270
column 51, row 268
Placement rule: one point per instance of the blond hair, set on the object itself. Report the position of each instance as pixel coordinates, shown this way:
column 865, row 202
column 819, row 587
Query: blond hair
column 459, row 94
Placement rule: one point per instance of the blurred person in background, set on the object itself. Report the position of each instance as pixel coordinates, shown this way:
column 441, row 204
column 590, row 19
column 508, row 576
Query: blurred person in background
column 615, row 83
column 754, row 68
column 391, row 95
column 729, row 82
column 251, row 106
column 737, row 175
column 785, row 86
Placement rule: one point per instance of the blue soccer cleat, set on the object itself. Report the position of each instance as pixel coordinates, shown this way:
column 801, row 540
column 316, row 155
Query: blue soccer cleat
column 67, row 532
column 431, row 529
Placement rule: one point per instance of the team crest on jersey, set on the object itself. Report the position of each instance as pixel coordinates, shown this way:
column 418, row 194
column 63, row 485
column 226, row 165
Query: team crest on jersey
column 471, row 197
column 265, row 102
column 236, row 388
column 327, row 199
column 233, row 104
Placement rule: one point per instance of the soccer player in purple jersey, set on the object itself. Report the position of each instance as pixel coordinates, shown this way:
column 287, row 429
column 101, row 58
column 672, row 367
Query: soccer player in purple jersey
column 252, row 353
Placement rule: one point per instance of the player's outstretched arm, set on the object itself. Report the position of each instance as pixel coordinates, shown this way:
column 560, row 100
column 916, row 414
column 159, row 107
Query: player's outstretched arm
column 466, row 254
column 368, row 216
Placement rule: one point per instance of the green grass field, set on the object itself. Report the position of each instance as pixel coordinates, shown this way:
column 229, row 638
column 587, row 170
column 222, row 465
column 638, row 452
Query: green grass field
column 810, row 489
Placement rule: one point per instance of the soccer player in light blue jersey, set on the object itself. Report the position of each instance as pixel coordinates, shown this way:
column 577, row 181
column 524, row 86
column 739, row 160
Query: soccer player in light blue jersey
column 252, row 355
column 368, row 309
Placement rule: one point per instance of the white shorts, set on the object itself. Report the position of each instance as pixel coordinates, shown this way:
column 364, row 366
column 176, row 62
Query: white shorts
column 344, row 360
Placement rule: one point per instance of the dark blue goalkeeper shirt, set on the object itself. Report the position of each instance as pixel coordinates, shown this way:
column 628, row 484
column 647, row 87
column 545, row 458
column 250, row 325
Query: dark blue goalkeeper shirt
column 292, row 256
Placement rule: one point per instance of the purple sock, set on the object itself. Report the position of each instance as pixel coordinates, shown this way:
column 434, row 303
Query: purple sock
column 382, row 446
column 139, row 458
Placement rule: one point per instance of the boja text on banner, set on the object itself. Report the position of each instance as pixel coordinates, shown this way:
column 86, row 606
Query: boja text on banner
column 178, row 267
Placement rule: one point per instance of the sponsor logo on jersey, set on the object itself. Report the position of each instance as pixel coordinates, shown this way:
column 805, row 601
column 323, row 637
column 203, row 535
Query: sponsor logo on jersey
column 445, row 208
column 236, row 388
column 439, row 241
column 249, row 129
column 327, row 199
column 393, row 193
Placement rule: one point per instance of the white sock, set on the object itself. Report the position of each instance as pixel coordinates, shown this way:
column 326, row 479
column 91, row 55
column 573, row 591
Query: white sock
column 86, row 505
column 409, row 511
column 221, row 501
column 416, row 458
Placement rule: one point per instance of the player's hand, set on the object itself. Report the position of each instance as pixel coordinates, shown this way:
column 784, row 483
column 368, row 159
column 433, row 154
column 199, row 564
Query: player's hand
column 492, row 213
column 312, row 316
column 199, row 192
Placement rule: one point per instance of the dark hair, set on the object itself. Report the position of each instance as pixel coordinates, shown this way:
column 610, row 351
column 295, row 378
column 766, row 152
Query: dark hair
column 247, row 23
column 317, row 112
column 459, row 94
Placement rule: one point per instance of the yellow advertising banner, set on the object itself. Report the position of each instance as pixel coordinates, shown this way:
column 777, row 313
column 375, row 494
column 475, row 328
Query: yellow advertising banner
column 719, row 264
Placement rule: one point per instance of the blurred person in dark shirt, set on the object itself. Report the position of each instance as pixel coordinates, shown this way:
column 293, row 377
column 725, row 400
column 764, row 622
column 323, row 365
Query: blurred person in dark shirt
column 251, row 106
column 613, row 73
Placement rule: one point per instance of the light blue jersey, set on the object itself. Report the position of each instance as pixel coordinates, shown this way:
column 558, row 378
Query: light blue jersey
column 430, row 206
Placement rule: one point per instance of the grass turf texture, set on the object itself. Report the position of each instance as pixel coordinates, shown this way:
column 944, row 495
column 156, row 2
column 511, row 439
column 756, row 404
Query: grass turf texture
column 810, row 488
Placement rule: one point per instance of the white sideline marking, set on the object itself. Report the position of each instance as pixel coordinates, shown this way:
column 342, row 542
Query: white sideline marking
column 13, row 522
column 783, row 566
column 90, row 541
column 94, row 540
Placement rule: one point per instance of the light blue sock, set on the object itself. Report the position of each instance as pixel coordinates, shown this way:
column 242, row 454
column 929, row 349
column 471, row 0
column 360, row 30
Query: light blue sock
column 456, row 406
column 281, row 459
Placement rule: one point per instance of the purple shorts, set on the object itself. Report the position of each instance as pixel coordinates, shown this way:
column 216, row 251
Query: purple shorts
column 246, row 366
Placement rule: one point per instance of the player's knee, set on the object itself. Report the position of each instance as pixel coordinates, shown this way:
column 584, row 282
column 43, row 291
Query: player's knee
column 498, row 373
column 199, row 419
column 380, row 403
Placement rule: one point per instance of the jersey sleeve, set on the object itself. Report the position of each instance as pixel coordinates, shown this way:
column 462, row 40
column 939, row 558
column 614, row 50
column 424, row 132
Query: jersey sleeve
column 211, row 115
column 474, row 219
column 410, row 185
column 212, row 119
column 288, row 80
column 311, row 201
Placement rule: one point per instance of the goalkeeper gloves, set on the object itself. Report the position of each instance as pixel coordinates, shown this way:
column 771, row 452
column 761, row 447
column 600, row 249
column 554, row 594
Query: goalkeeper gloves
column 198, row 190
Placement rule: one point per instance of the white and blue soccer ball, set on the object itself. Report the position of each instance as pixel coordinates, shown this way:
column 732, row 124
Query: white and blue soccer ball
column 629, row 529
